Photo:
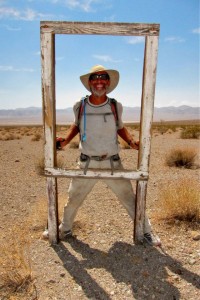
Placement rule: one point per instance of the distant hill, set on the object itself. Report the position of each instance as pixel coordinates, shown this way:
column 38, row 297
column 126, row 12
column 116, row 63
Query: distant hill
column 33, row 115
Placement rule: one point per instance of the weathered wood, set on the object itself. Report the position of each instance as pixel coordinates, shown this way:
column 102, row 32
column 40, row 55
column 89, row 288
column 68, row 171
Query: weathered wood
column 140, row 206
column 147, row 102
column 100, row 28
column 130, row 175
column 148, row 94
column 52, row 210
column 48, row 92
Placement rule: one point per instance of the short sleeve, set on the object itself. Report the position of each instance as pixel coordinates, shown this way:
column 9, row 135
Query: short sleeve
column 76, row 112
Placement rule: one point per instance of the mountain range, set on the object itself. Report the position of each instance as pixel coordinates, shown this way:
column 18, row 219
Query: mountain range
column 33, row 115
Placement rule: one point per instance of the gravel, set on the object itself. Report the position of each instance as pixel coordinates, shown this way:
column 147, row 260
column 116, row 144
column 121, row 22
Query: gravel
column 101, row 261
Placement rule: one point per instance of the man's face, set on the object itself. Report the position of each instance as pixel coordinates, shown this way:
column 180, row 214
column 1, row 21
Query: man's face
column 99, row 83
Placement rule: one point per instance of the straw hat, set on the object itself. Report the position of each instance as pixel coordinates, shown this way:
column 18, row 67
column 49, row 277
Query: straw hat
column 113, row 74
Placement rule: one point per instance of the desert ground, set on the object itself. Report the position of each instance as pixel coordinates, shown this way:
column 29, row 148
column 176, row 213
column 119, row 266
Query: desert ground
column 101, row 260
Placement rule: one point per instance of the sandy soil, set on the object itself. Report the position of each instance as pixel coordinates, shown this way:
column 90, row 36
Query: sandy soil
column 101, row 262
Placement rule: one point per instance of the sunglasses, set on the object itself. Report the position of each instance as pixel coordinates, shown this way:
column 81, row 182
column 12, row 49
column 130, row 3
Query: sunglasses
column 99, row 76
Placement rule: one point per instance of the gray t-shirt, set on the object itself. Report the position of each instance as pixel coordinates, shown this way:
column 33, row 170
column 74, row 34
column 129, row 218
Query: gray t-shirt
column 100, row 128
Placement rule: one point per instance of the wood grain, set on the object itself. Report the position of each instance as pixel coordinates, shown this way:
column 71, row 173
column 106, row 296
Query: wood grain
column 100, row 28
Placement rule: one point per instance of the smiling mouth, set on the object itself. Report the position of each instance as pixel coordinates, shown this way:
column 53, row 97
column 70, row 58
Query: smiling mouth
column 100, row 86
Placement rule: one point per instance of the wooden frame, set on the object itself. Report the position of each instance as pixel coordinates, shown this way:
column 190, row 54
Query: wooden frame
column 48, row 31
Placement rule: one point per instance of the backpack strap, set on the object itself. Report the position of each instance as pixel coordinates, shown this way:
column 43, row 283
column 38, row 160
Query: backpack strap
column 81, row 108
column 81, row 112
column 114, row 108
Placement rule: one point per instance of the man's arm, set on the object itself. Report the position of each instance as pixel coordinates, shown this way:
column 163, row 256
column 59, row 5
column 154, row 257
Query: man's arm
column 126, row 136
column 72, row 132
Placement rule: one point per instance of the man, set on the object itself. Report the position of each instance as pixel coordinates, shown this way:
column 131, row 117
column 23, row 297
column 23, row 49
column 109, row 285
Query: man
column 98, row 131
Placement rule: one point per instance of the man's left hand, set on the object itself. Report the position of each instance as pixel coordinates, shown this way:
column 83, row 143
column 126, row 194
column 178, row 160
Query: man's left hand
column 134, row 144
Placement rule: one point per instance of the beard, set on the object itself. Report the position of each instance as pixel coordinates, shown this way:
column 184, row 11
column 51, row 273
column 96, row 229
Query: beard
column 97, row 92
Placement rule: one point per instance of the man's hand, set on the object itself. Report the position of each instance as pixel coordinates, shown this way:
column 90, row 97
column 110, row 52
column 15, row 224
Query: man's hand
column 134, row 144
column 59, row 143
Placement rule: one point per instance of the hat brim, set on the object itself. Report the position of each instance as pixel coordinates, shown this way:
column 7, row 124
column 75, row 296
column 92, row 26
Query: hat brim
column 114, row 79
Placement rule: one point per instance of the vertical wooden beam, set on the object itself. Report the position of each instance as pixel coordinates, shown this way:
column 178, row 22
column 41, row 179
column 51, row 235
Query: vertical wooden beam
column 147, row 106
column 49, row 119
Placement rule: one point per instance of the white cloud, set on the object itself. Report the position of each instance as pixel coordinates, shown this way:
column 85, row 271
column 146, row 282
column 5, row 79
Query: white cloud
column 105, row 58
column 135, row 40
column 13, row 69
column 9, row 12
column 9, row 28
column 174, row 39
column 24, row 15
column 85, row 5
column 196, row 30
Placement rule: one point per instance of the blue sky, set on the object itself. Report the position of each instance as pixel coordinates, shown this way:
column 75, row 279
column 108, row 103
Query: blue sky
column 178, row 56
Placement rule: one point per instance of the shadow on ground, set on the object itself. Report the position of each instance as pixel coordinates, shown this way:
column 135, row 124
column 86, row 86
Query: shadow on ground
column 144, row 269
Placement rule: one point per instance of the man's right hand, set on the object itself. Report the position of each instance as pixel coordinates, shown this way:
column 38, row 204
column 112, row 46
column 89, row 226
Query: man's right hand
column 60, row 143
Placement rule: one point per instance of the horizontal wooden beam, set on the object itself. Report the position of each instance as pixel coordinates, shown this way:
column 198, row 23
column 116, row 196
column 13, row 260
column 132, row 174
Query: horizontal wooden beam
column 100, row 28
column 134, row 175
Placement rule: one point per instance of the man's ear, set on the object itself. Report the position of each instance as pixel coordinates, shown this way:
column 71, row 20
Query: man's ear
column 89, row 86
column 108, row 83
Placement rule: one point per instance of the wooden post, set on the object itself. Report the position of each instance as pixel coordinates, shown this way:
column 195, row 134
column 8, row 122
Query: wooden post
column 48, row 92
column 147, row 105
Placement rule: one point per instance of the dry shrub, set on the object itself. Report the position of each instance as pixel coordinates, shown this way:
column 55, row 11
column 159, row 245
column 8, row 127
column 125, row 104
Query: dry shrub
column 39, row 164
column 1, row 137
column 9, row 137
column 164, row 128
column 191, row 132
column 74, row 145
column 37, row 221
column 28, row 133
column 18, row 131
column 15, row 265
column 182, row 158
column 3, row 132
column 36, row 137
column 169, row 131
column 180, row 201
column 24, row 130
